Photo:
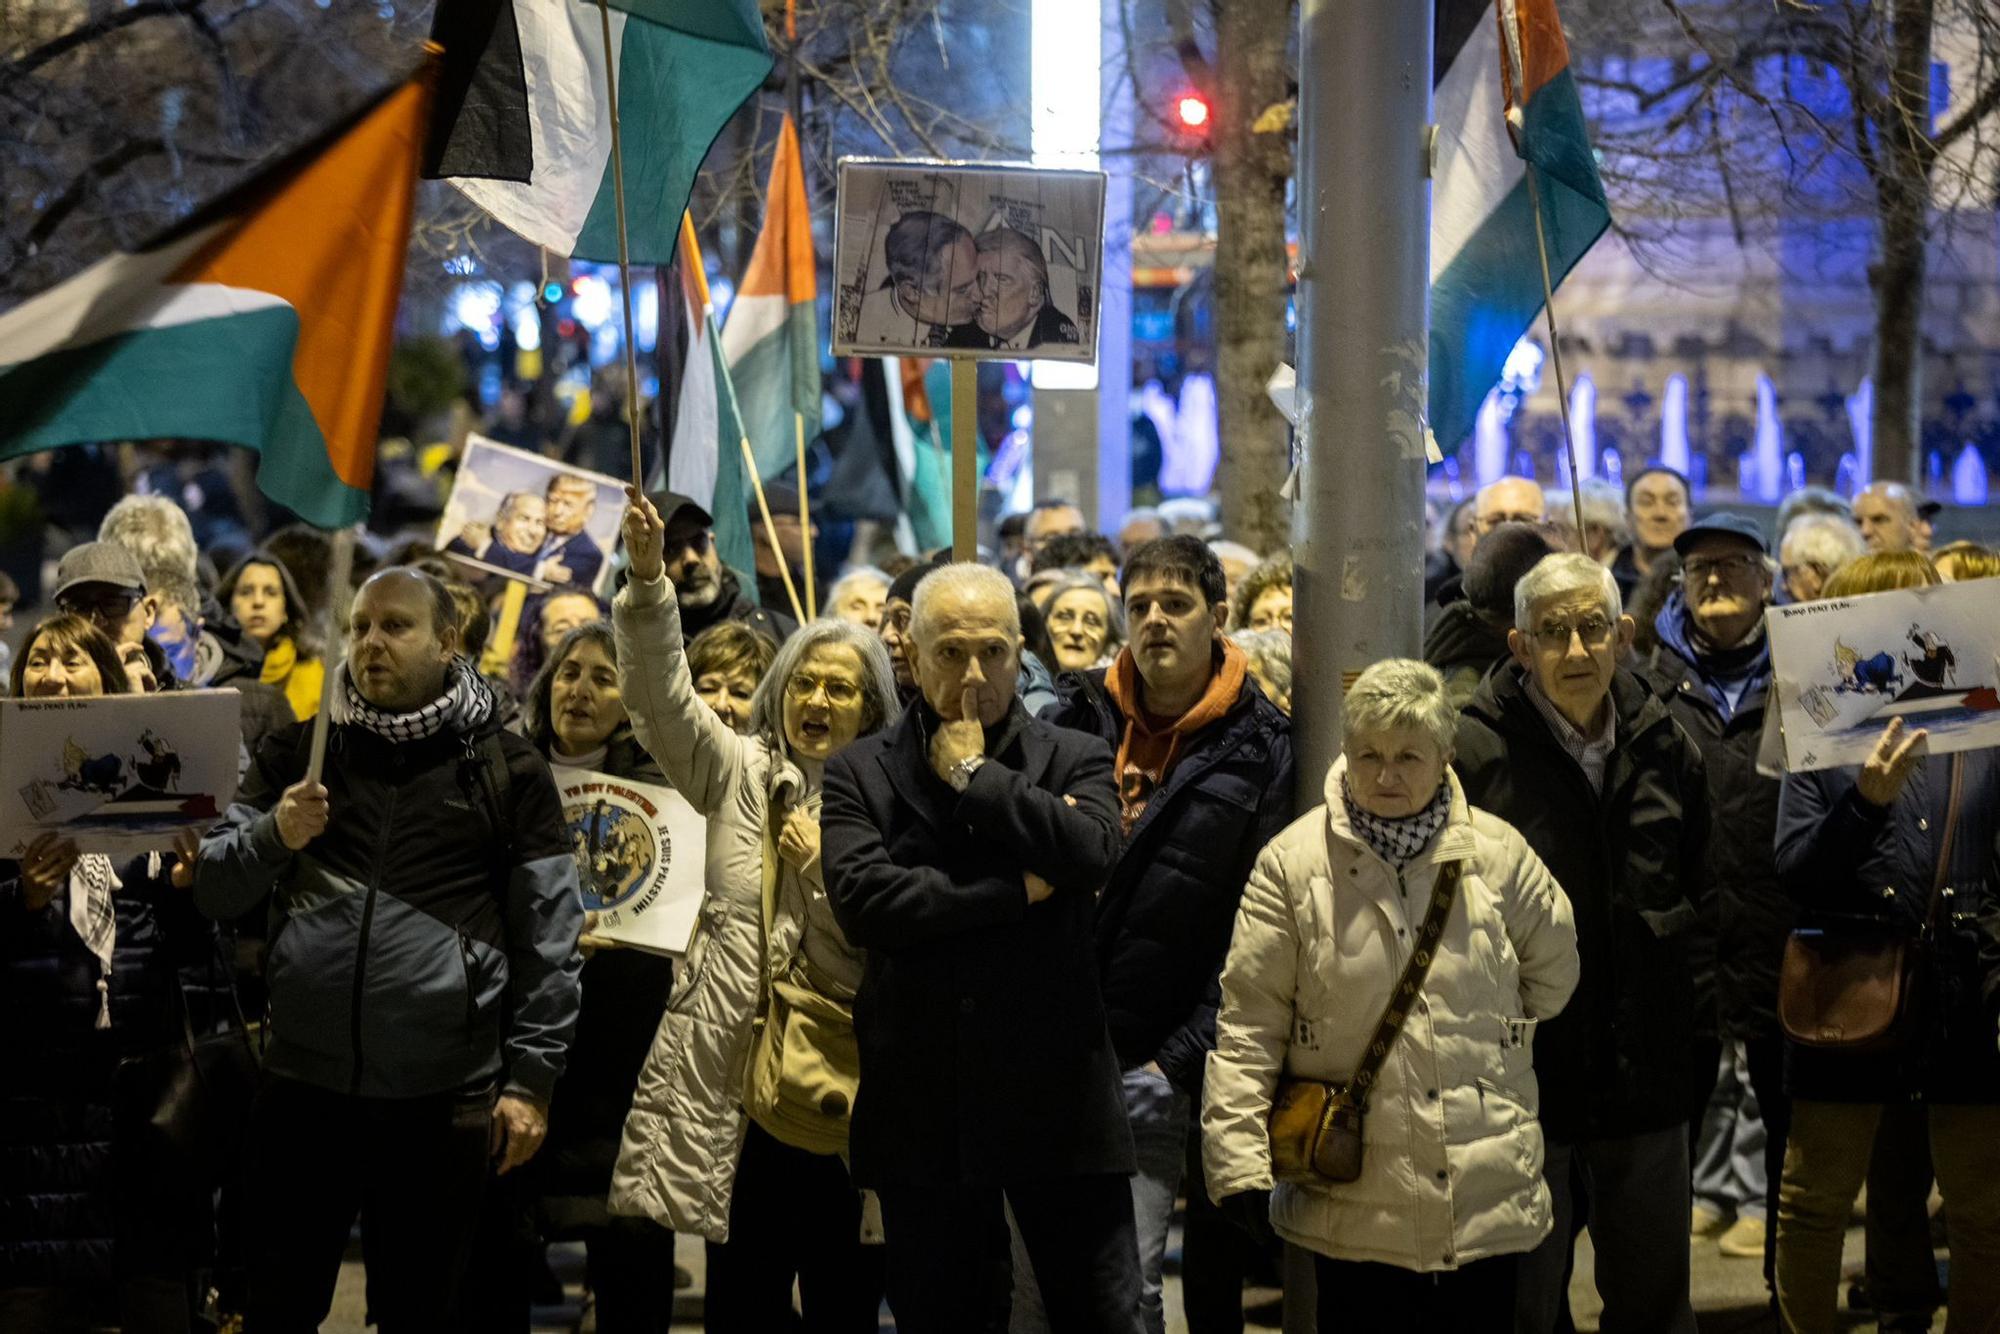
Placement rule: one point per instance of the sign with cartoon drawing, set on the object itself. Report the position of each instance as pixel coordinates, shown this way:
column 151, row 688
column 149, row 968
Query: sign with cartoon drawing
column 1843, row 667
column 119, row 774
column 640, row 853
column 944, row 259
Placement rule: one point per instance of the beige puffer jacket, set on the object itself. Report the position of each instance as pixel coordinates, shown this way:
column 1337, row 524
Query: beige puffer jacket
column 677, row 1159
column 1452, row 1166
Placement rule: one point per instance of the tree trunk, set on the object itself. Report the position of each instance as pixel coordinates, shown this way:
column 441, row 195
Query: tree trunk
column 1905, row 155
column 1250, row 173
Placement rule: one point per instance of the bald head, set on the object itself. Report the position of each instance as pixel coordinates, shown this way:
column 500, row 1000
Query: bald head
column 1509, row 500
column 1886, row 513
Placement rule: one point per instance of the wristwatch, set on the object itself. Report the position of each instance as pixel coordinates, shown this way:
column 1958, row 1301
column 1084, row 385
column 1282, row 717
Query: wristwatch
column 961, row 773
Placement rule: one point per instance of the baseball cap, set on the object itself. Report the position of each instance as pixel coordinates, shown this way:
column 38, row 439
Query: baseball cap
column 99, row 563
column 1735, row 525
column 679, row 513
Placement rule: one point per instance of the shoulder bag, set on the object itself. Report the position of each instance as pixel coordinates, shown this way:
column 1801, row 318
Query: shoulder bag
column 1850, row 983
column 805, row 1064
column 1315, row 1125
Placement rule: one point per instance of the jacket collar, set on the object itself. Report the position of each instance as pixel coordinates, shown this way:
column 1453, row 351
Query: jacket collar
column 1502, row 702
column 1455, row 842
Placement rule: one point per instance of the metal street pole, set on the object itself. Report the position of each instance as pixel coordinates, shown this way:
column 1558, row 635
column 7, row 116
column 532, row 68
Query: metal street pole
column 1363, row 321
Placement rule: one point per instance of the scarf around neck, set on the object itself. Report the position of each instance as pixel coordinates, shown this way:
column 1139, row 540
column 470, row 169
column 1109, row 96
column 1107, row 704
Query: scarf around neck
column 467, row 701
column 1149, row 746
column 1397, row 841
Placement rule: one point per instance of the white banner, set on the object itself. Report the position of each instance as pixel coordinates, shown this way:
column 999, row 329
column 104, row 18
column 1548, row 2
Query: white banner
column 640, row 857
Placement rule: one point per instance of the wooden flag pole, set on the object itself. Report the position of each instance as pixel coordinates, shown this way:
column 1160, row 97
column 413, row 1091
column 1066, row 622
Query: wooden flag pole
column 805, row 520
column 964, row 460
column 771, row 529
column 340, row 572
column 500, row 646
column 624, row 246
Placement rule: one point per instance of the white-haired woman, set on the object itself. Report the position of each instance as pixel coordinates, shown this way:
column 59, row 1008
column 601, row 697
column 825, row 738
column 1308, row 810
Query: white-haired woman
column 857, row 597
column 1086, row 623
column 1813, row 547
column 1450, row 1188
column 768, row 1186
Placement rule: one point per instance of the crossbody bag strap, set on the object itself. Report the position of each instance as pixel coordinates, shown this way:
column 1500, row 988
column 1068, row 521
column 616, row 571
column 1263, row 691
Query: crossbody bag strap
column 1407, row 986
column 1935, row 909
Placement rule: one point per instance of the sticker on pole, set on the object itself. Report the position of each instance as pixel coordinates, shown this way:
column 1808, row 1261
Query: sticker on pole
column 945, row 259
column 640, row 856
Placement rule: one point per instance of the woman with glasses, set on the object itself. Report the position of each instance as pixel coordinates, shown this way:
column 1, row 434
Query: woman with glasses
column 704, row 1149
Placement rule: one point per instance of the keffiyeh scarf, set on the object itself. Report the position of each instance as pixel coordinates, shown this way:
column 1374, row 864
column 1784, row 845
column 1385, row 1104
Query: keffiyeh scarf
column 467, row 701
column 1397, row 842
column 91, row 885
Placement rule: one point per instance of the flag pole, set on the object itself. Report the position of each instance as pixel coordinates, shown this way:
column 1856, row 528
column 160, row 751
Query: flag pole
column 340, row 573
column 1517, row 118
column 805, row 519
column 964, row 460
column 624, row 244
column 770, row 529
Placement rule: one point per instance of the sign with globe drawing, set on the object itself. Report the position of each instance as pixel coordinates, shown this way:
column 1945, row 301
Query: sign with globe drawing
column 639, row 851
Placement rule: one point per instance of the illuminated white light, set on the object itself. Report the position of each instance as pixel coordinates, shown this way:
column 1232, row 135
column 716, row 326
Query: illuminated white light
column 475, row 306
column 528, row 329
column 590, row 301
column 1065, row 84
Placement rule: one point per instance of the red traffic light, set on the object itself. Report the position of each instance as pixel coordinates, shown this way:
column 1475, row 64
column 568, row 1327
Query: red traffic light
column 1192, row 109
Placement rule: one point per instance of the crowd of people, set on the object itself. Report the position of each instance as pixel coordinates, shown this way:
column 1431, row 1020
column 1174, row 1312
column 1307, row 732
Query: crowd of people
column 1015, row 939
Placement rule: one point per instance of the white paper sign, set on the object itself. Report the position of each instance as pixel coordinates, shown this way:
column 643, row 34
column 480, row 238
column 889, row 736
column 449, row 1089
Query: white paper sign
column 1844, row 667
column 641, row 853
column 119, row 774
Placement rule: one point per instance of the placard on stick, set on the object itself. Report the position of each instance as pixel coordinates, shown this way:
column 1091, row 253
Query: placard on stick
column 529, row 518
column 119, row 774
column 641, row 854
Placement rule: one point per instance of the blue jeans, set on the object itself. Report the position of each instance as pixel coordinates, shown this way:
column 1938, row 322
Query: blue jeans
column 1729, row 1148
column 1159, row 1114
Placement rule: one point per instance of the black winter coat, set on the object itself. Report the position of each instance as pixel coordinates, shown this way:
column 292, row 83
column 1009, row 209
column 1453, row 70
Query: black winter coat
column 1616, row 1061
column 732, row 605
column 1463, row 646
column 984, row 1054
column 624, row 994
column 1746, row 914
column 58, row 1216
column 1165, row 918
column 1843, row 858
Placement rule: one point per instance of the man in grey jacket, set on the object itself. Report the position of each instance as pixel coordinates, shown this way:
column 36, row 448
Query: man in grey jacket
column 423, row 967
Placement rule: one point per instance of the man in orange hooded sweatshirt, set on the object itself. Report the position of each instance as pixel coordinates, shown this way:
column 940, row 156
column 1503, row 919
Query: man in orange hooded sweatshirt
column 1204, row 769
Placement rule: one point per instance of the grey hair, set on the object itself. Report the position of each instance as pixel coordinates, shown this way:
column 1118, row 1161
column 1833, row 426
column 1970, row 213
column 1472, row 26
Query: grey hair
column 1270, row 652
column 879, row 706
column 855, row 576
column 1826, row 540
column 1396, row 693
column 1114, row 610
column 962, row 577
column 1603, row 504
column 1565, row 572
column 157, row 533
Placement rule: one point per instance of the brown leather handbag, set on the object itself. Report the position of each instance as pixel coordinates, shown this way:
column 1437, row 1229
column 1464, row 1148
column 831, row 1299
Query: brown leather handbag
column 1851, row 984
column 1315, row 1125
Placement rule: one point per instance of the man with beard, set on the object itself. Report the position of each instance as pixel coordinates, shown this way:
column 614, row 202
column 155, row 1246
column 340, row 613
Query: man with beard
column 706, row 589
column 1014, row 306
column 932, row 291
column 570, row 555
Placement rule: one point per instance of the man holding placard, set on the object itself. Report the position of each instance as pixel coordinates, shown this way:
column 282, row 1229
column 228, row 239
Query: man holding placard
column 423, row 965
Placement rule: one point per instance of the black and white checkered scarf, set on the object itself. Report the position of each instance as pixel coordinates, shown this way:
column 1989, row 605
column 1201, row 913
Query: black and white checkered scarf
column 467, row 701
column 1397, row 842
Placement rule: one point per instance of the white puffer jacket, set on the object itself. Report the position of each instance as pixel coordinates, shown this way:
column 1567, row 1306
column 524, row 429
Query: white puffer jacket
column 1452, row 1166
column 677, row 1158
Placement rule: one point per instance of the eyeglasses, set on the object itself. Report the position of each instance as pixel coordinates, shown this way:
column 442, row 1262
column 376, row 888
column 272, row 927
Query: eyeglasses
column 1723, row 567
column 897, row 619
column 800, row 687
column 1594, row 631
column 697, row 542
column 112, row 604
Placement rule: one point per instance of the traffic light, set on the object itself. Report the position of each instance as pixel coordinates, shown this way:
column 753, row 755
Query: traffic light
column 1192, row 111
column 553, row 292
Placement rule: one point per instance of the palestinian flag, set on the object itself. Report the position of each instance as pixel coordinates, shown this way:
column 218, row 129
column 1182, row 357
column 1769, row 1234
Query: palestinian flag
column 264, row 321
column 705, row 461
column 1506, row 104
column 771, row 337
column 524, row 124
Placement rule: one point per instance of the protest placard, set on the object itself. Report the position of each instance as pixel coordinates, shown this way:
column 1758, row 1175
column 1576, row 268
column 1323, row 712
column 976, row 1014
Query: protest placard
column 1843, row 667
column 943, row 259
column 640, row 855
column 118, row 774
column 530, row 518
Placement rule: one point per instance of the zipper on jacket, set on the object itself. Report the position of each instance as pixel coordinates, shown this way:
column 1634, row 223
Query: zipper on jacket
column 367, row 923
column 465, row 964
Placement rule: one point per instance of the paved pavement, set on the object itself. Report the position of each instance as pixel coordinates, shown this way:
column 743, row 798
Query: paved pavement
column 1729, row 1295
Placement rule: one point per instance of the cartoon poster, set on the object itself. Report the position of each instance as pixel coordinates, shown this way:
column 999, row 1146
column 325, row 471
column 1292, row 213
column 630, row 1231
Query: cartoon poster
column 119, row 774
column 1844, row 667
column 526, row 517
column 944, row 259
column 641, row 851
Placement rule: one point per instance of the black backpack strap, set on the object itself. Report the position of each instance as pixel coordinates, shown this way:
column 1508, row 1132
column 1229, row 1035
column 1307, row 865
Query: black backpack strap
column 487, row 759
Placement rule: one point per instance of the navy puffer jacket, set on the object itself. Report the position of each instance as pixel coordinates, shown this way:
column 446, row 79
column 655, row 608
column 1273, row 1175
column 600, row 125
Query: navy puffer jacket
column 57, row 1220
